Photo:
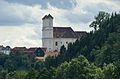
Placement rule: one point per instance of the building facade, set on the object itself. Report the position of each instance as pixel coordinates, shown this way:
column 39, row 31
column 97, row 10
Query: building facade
column 54, row 37
column 5, row 50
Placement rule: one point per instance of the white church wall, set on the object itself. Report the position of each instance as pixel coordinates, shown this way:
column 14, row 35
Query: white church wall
column 48, row 22
column 62, row 41
column 48, row 43
column 47, row 32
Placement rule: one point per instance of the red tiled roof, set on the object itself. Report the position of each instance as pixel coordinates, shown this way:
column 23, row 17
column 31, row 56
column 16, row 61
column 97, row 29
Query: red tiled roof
column 25, row 50
column 52, row 53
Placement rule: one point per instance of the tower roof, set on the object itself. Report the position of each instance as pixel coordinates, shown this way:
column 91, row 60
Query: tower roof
column 47, row 16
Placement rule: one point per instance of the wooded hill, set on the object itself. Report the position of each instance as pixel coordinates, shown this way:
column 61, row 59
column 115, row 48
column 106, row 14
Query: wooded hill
column 94, row 56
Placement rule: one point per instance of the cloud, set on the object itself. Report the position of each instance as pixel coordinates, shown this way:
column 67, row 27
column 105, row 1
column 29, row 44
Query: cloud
column 63, row 4
column 78, row 18
column 19, row 36
column 85, row 13
column 20, row 20
column 94, row 8
column 15, row 14
column 116, row 1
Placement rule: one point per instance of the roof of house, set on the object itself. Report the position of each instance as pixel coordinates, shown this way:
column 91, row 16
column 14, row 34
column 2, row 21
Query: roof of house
column 66, row 32
column 26, row 50
column 80, row 33
column 52, row 53
column 1, row 46
column 19, row 48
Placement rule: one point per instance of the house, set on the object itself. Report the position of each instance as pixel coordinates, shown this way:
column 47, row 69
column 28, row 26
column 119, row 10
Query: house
column 25, row 50
column 54, row 37
column 6, row 50
column 38, row 52
column 47, row 54
column 52, row 54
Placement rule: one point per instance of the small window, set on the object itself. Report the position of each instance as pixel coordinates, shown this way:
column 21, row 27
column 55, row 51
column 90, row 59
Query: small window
column 66, row 42
column 61, row 42
column 49, row 49
column 56, row 43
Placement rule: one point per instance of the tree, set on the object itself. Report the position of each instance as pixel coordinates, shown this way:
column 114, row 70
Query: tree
column 33, row 74
column 62, row 49
column 39, row 52
column 16, row 75
column 100, row 19
column 3, row 74
column 109, row 52
column 78, row 68
column 46, row 73
column 109, row 72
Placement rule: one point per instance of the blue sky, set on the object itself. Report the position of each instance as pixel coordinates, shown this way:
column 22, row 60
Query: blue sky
column 20, row 20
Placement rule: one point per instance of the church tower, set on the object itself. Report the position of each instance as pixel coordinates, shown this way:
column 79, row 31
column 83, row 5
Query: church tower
column 47, row 32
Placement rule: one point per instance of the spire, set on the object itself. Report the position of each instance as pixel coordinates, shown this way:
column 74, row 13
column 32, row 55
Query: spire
column 50, row 16
column 47, row 16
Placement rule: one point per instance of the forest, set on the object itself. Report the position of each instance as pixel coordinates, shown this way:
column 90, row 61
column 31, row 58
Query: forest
column 94, row 56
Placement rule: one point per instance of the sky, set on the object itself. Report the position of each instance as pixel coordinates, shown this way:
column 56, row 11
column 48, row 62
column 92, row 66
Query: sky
column 21, row 20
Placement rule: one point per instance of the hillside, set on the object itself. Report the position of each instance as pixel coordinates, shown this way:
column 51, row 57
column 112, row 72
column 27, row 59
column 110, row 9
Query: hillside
column 94, row 56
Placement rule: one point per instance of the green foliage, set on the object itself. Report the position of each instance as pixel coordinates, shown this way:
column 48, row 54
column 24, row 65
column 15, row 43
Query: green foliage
column 46, row 73
column 100, row 19
column 109, row 72
column 39, row 52
column 62, row 50
column 94, row 56
column 3, row 74
column 33, row 74
column 109, row 52
column 16, row 61
column 78, row 68
column 16, row 75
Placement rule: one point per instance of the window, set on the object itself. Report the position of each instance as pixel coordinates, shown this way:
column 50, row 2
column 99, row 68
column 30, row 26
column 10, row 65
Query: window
column 56, row 43
column 61, row 42
column 49, row 49
column 66, row 42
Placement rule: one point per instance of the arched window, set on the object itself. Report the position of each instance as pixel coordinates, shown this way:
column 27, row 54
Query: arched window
column 56, row 43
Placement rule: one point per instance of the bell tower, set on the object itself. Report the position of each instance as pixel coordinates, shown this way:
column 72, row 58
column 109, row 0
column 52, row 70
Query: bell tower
column 47, row 32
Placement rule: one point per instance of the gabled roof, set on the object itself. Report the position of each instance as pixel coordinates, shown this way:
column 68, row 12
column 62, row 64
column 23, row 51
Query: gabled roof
column 47, row 16
column 66, row 32
column 63, row 32
column 80, row 33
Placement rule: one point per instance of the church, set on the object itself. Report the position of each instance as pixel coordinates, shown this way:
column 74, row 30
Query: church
column 54, row 37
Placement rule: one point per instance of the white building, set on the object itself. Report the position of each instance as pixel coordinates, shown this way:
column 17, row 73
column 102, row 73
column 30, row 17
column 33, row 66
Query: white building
column 5, row 50
column 54, row 37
